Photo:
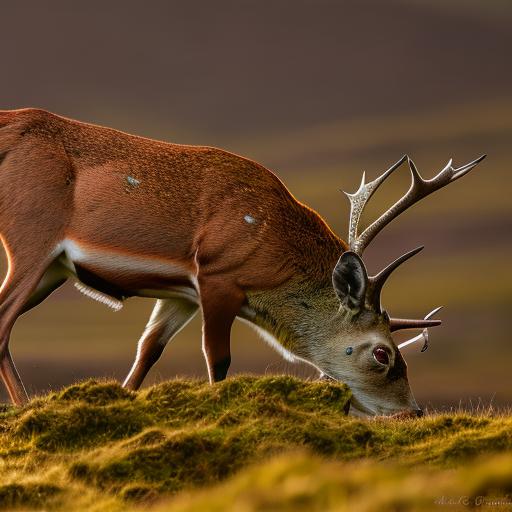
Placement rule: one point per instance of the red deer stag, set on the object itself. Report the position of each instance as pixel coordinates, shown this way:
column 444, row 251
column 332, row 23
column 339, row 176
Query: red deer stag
column 197, row 227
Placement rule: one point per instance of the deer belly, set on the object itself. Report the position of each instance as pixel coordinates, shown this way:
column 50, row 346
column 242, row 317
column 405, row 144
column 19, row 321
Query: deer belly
column 120, row 274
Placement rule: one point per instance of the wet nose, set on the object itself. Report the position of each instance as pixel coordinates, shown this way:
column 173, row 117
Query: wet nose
column 419, row 413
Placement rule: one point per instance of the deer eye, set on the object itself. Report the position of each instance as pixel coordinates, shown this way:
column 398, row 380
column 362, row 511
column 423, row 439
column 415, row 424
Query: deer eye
column 380, row 355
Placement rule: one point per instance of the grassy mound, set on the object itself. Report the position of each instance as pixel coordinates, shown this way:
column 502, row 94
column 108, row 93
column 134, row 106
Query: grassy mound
column 96, row 446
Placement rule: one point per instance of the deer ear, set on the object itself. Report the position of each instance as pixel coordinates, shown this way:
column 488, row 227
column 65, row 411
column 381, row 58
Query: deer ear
column 350, row 280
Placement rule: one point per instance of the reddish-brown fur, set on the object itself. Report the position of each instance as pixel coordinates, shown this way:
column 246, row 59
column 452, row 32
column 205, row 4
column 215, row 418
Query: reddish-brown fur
column 62, row 179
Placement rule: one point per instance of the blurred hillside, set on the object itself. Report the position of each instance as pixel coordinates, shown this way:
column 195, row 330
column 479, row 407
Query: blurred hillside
column 317, row 92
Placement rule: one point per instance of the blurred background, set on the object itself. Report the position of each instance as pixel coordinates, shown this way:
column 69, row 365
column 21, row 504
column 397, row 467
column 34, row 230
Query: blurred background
column 317, row 91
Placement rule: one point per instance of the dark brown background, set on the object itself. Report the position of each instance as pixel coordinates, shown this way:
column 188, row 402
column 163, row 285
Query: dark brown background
column 317, row 91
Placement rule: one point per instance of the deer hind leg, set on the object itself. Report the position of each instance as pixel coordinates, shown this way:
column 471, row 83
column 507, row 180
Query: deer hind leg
column 51, row 280
column 26, row 271
column 169, row 316
column 220, row 304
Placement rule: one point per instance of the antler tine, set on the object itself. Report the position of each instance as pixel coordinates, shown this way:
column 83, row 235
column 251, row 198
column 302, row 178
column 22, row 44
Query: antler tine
column 424, row 334
column 433, row 312
column 455, row 174
column 377, row 282
column 359, row 199
column 396, row 324
column 419, row 189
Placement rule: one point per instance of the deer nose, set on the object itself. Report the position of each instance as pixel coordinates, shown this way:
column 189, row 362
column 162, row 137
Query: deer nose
column 419, row 413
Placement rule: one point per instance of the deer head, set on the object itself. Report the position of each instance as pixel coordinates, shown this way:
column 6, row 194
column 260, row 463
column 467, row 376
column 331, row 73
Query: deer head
column 373, row 365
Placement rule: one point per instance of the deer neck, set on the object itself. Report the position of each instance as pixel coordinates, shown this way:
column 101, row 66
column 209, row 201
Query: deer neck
column 297, row 315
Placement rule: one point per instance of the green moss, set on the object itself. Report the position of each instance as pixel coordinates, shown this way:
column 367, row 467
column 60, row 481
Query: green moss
column 301, row 482
column 79, row 425
column 27, row 495
column 140, row 493
column 472, row 444
column 182, row 459
column 104, row 444
column 93, row 392
column 243, row 397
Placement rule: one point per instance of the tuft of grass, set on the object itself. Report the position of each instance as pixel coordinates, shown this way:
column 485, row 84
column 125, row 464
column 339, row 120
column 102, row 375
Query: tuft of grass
column 94, row 393
column 99, row 447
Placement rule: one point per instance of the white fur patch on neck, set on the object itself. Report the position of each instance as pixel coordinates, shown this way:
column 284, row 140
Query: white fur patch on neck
column 272, row 341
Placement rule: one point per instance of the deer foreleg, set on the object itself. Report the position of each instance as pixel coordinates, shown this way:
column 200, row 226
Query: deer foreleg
column 220, row 305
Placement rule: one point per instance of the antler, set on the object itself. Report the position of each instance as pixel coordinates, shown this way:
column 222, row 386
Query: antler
column 424, row 334
column 375, row 283
column 398, row 324
column 419, row 189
